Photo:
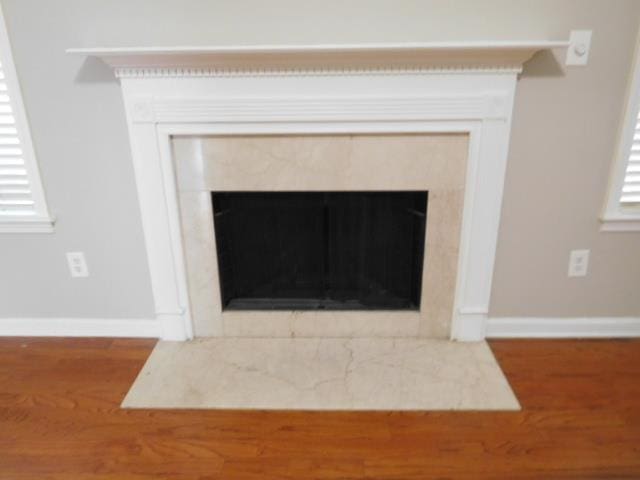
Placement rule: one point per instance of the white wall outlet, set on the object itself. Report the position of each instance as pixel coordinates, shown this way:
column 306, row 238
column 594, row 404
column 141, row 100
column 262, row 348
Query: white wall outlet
column 579, row 45
column 77, row 264
column 578, row 263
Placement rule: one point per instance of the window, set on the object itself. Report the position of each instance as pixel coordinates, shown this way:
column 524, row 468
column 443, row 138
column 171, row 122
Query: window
column 622, row 210
column 22, row 203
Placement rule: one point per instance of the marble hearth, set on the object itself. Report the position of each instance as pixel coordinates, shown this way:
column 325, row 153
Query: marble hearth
column 406, row 162
column 322, row 374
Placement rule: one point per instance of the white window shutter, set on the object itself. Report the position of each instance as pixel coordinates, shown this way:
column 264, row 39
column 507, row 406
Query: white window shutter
column 631, row 184
column 22, row 202
column 622, row 208
column 15, row 191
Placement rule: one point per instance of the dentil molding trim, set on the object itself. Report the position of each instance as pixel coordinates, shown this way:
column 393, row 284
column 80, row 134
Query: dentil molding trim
column 158, row 72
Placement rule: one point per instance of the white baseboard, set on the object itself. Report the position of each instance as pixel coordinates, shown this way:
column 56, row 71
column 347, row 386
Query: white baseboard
column 80, row 327
column 470, row 329
column 587, row 327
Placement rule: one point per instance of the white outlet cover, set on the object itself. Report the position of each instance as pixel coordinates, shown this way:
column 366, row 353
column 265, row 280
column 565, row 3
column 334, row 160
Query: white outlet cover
column 77, row 265
column 578, row 263
column 579, row 46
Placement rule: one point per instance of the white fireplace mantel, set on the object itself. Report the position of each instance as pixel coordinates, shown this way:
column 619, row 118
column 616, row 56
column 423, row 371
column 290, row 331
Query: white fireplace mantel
column 386, row 88
column 179, row 61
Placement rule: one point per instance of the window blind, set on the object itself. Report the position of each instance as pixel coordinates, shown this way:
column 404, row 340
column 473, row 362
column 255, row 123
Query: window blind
column 16, row 198
column 631, row 185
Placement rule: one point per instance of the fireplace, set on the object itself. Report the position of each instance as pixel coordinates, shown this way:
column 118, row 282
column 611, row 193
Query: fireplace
column 320, row 250
column 321, row 118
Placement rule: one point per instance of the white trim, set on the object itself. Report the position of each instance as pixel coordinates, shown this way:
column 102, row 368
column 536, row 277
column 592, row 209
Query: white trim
column 152, row 121
column 80, row 327
column 471, row 325
column 42, row 221
column 497, row 327
column 620, row 223
column 28, row 225
column 389, row 48
column 616, row 218
column 572, row 327
column 317, row 59
column 366, row 108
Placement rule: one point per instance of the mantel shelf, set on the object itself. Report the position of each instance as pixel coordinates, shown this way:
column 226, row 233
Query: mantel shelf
column 384, row 56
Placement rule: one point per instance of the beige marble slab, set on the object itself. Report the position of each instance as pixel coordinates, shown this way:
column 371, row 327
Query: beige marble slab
column 433, row 162
column 322, row 374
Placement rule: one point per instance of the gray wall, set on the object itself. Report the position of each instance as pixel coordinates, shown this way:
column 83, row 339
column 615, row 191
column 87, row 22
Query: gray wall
column 563, row 140
column 564, row 136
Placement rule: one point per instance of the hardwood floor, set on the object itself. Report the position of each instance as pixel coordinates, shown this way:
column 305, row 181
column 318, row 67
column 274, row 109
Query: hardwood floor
column 59, row 419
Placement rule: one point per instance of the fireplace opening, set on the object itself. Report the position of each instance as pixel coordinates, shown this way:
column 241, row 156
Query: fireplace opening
column 320, row 250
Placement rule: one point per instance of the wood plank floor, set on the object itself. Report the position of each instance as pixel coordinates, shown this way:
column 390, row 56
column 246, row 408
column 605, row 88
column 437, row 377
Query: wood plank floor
column 59, row 419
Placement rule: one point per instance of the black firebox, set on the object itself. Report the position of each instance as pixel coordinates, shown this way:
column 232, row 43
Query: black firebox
column 320, row 250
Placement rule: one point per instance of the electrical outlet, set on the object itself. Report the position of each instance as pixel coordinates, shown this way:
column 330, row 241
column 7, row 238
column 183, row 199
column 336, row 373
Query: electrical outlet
column 578, row 263
column 77, row 264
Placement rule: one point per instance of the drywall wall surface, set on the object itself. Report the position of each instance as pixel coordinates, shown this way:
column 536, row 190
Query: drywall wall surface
column 564, row 131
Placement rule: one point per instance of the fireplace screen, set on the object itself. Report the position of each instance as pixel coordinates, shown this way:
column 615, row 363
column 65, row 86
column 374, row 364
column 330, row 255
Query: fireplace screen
column 320, row 250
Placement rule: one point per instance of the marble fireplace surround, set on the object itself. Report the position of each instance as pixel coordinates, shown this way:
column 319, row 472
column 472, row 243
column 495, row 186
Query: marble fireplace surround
column 419, row 91
column 432, row 162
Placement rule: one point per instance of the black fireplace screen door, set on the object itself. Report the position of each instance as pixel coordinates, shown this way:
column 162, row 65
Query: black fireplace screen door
column 320, row 250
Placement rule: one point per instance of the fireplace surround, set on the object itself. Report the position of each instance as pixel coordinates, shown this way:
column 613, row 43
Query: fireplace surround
column 374, row 165
column 424, row 91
